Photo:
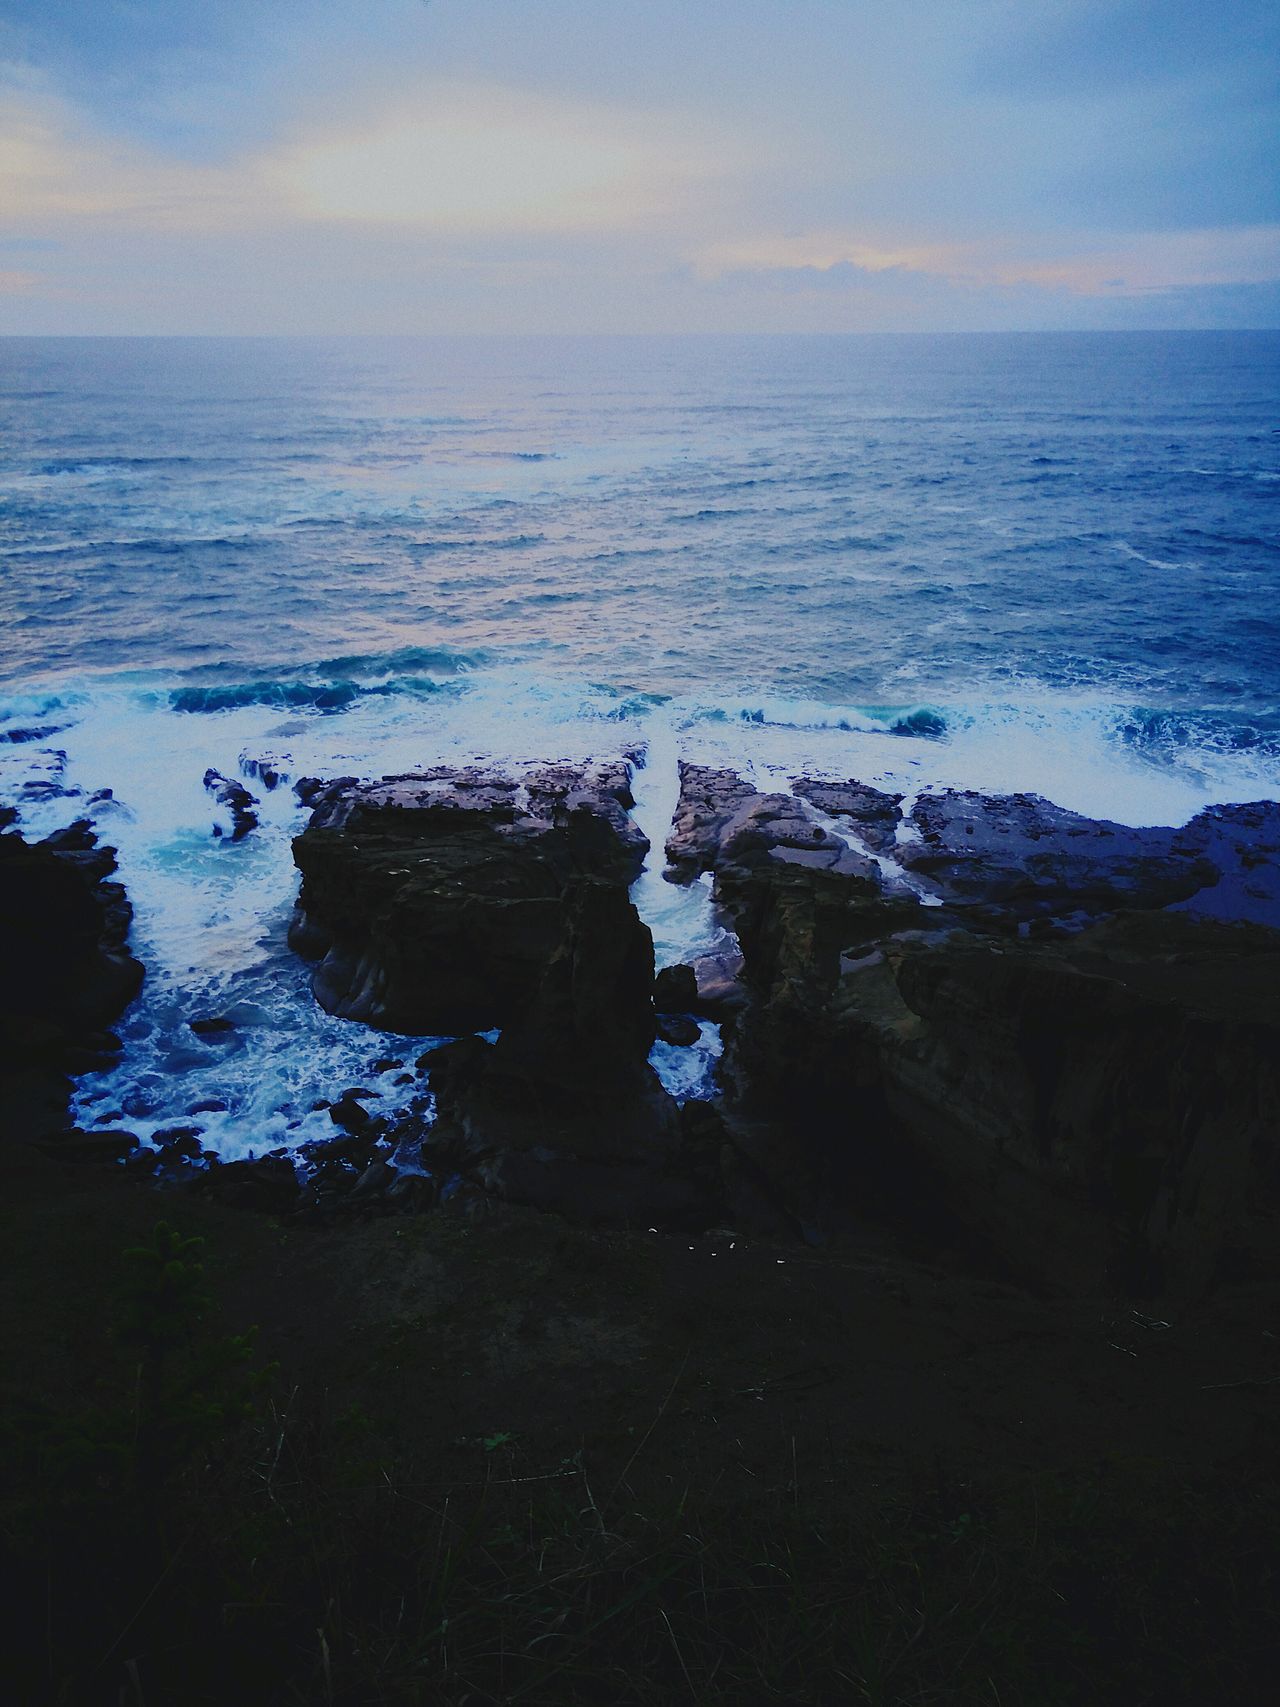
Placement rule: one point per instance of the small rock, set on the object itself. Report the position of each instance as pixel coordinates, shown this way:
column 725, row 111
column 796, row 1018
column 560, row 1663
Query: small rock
column 679, row 1029
column 350, row 1114
column 212, row 1026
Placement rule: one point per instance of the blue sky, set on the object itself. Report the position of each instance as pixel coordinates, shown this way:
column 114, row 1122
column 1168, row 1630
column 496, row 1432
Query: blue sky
column 545, row 165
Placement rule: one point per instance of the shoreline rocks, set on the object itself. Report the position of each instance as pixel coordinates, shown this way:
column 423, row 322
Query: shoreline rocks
column 431, row 902
column 67, row 971
column 1072, row 1052
column 452, row 902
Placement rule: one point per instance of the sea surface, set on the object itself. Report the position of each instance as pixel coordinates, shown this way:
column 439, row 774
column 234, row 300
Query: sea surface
column 1043, row 562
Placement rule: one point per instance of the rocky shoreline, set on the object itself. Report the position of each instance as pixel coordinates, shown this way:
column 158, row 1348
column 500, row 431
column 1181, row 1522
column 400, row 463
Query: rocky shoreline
column 870, row 1330
column 1055, row 1034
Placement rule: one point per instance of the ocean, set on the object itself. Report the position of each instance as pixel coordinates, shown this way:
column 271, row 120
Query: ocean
column 1014, row 562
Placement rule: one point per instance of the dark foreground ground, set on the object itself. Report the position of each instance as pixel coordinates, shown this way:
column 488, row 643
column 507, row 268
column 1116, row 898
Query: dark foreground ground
column 508, row 1460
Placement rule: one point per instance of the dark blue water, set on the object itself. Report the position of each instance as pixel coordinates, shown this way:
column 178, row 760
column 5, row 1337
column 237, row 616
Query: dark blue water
column 860, row 519
column 1011, row 562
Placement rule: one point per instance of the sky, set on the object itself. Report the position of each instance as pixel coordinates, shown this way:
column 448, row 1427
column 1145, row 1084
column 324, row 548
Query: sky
column 415, row 166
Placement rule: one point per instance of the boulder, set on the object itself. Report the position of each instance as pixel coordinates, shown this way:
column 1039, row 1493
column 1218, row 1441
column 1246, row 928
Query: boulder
column 675, row 990
column 231, row 793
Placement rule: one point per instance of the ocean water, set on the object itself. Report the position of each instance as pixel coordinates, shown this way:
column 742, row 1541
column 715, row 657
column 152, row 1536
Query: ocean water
column 1008, row 562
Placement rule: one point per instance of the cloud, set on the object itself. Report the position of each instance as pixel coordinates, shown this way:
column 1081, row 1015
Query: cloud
column 477, row 159
column 447, row 160
column 57, row 170
column 1077, row 264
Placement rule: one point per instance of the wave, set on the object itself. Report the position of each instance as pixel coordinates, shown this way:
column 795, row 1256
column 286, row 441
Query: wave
column 106, row 464
column 298, row 696
column 926, row 722
column 438, row 659
column 1154, row 730
column 477, row 542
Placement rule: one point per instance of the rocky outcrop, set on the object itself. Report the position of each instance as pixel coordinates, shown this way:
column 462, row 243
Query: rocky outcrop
column 434, row 902
column 708, row 800
column 1028, row 859
column 1070, row 1052
column 64, row 927
column 450, row 902
column 232, row 794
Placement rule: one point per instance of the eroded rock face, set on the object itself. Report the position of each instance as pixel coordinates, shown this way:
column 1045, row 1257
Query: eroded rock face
column 434, row 902
column 63, row 933
column 453, row 902
column 708, row 800
column 1072, row 1051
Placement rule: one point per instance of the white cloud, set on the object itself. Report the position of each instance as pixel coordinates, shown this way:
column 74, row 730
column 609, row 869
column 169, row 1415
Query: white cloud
column 448, row 160
column 490, row 160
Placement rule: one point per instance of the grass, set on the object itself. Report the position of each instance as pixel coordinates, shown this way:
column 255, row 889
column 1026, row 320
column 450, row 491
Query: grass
column 201, row 1528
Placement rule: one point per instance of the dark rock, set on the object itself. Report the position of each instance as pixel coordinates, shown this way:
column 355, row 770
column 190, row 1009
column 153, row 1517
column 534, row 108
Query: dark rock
column 387, row 1064
column 1093, row 1102
column 679, row 1029
column 375, row 1178
column 312, row 790
column 411, row 1194
column 76, row 1145
column 708, row 800
column 75, row 1059
column 180, row 1135
column 232, row 794
column 20, row 737
column 870, row 814
column 269, row 1184
column 212, row 1025
column 720, row 992
column 63, row 935
column 1093, row 1099
column 350, row 1114
column 564, row 1111
column 443, row 895
column 210, row 1105
column 180, row 1143
column 675, row 990
column 1242, row 844
column 355, row 1149
column 270, row 769
column 100, row 1042
column 307, row 939
column 1029, row 858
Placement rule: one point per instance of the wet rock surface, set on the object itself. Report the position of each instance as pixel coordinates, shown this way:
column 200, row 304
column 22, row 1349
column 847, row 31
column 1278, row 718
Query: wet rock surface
column 231, row 793
column 1053, row 1036
column 432, row 902
column 64, row 928
column 1070, row 1053
column 451, row 902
